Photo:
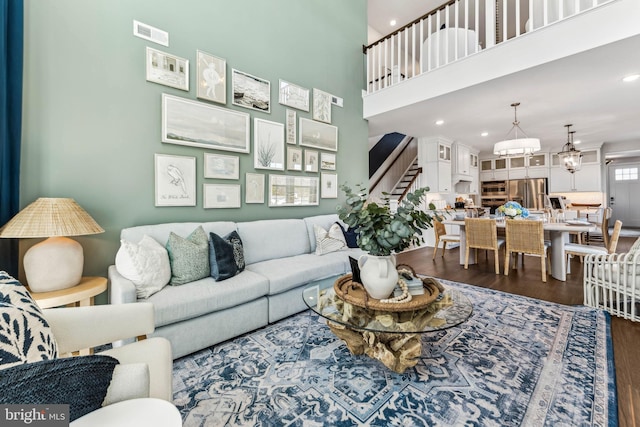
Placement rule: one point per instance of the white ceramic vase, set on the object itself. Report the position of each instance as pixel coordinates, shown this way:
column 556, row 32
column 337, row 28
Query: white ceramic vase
column 378, row 274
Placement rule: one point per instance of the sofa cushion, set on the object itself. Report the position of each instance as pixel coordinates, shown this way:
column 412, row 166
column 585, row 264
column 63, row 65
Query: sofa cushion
column 177, row 303
column 226, row 255
column 324, row 221
column 328, row 241
column 272, row 239
column 350, row 236
column 146, row 264
column 189, row 257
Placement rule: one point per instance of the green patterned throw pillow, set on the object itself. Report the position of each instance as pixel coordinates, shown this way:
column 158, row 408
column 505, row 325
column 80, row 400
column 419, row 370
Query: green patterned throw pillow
column 189, row 257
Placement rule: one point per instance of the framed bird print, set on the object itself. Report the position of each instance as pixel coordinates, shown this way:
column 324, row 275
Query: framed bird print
column 175, row 178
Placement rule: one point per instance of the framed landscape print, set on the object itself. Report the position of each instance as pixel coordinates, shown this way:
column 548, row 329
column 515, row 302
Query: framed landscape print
column 268, row 144
column 294, row 159
column 168, row 70
column 212, row 82
column 254, row 188
column 221, row 196
column 318, row 135
column 175, row 179
column 251, row 91
column 293, row 96
column 288, row 190
column 187, row 122
column 321, row 106
column 328, row 161
column 310, row 160
column 291, row 127
column 328, row 185
column 220, row 166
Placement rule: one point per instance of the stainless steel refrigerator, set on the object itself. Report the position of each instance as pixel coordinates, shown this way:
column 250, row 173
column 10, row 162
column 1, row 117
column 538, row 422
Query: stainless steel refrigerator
column 528, row 192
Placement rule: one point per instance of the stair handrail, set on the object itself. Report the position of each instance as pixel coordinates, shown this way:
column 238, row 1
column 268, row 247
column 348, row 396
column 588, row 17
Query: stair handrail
column 407, row 141
column 410, row 186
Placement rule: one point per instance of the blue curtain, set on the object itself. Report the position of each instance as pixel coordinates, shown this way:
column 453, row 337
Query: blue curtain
column 11, row 41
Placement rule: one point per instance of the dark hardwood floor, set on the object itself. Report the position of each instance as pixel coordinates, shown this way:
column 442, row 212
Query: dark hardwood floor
column 526, row 281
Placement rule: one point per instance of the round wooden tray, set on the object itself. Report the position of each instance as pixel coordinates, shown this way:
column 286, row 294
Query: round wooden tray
column 354, row 293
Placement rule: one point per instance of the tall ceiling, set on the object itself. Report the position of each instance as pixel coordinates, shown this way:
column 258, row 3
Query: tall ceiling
column 585, row 90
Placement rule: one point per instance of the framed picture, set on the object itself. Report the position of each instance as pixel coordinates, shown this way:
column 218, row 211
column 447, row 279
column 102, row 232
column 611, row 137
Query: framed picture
column 291, row 127
column 328, row 161
column 222, row 167
column 221, row 196
column 168, row 70
column 187, row 122
column 175, row 178
column 251, row 91
column 310, row 160
column 318, row 135
column 288, row 190
column 294, row 159
column 254, row 188
column 212, row 73
column 293, row 96
column 268, row 144
column 321, row 106
column 328, row 185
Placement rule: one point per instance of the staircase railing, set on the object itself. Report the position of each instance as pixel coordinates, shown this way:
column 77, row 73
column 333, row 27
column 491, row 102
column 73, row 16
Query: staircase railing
column 413, row 185
column 395, row 171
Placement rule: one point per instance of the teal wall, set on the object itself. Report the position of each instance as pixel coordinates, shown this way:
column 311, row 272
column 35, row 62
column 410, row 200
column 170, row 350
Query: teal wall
column 92, row 122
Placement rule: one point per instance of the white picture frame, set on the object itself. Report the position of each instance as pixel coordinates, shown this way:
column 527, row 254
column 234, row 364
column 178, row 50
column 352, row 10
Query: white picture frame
column 311, row 160
column 318, row 135
column 321, row 106
column 293, row 96
column 268, row 144
column 221, row 167
column 211, row 78
column 294, row 159
column 175, row 180
column 221, row 196
column 194, row 123
column 293, row 190
column 327, row 161
column 166, row 69
column 254, row 187
column 291, row 122
column 250, row 91
column 328, row 185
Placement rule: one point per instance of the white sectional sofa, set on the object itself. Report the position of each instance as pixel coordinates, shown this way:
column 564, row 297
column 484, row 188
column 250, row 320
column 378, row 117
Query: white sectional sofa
column 280, row 261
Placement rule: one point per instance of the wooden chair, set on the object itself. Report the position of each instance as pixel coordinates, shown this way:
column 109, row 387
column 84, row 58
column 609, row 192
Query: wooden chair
column 571, row 249
column 601, row 237
column 526, row 237
column 442, row 236
column 482, row 233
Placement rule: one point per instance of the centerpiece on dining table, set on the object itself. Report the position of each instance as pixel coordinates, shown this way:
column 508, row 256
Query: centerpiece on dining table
column 513, row 210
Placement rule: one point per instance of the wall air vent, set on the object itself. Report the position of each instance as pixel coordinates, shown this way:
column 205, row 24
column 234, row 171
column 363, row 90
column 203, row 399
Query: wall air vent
column 148, row 32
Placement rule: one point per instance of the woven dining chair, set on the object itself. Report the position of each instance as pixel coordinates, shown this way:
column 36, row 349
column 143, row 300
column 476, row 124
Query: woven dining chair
column 526, row 237
column 482, row 233
column 601, row 236
column 442, row 236
column 572, row 249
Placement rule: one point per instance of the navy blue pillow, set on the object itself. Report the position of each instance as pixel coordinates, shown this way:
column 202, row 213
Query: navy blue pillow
column 350, row 236
column 226, row 255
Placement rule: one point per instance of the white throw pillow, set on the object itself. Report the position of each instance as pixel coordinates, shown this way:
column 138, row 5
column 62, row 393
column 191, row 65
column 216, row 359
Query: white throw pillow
column 329, row 241
column 146, row 264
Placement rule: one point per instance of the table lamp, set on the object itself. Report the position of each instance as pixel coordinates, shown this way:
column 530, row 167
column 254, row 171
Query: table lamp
column 57, row 262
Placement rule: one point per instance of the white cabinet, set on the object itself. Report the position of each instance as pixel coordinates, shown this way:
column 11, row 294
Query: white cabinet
column 434, row 156
column 588, row 178
column 494, row 169
column 463, row 160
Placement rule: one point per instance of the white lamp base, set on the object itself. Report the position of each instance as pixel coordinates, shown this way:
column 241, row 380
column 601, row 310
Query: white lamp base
column 53, row 264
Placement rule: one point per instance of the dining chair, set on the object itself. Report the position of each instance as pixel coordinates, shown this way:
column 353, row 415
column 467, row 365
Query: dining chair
column 526, row 238
column 442, row 236
column 602, row 219
column 571, row 249
column 482, row 233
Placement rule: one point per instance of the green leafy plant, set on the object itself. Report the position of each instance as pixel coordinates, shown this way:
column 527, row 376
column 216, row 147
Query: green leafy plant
column 381, row 231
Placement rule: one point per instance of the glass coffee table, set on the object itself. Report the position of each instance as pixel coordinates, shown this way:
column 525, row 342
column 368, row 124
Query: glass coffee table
column 391, row 335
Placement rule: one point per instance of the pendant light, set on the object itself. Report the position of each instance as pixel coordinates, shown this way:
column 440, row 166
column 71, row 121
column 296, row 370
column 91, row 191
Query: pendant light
column 569, row 156
column 516, row 146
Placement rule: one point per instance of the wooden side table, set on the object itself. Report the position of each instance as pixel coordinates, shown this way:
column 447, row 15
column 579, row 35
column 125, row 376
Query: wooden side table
column 80, row 295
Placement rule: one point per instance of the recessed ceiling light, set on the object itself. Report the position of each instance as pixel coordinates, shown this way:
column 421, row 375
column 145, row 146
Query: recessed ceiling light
column 484, row 134
column 577, row 142
column 631, row 78
column 439, row 122
column 393, row 23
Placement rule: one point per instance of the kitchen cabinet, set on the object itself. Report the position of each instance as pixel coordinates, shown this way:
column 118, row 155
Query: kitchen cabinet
column 463, row 160
column 434, row 156
column 494, row 169
column 588, row 178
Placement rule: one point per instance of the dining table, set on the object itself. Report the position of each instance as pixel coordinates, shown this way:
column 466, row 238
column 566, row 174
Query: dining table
column 559, row 233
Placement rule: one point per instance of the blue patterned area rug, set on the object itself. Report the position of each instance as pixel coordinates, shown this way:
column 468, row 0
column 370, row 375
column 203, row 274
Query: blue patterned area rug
column 516, row 362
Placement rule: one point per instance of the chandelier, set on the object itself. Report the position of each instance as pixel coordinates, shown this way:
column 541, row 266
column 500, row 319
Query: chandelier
column 569, row 156
column 516, row 146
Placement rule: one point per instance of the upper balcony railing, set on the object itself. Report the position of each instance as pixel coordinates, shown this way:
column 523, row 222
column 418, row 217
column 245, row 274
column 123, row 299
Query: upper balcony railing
column 457, row 29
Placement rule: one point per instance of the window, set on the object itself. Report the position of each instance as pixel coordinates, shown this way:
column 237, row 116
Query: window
column 626, row 174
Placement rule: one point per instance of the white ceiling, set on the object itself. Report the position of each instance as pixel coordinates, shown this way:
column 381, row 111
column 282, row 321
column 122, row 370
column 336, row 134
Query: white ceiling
column 585, row 90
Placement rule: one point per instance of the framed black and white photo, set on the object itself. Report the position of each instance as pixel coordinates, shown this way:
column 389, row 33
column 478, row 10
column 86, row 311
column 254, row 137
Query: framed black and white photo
column 291, row 127
column 254, row 188
column 166, row 69
column 294, row 159
column 321, row 106
column 288, row 190
column 318, row 135
column 293, row 96
column 310, row 160
column 175, row 180
column 221, row 166
column 217, row 196
column 268, row 144
column 328, row 161
column 251, row 91
column 187, row 122
column 212, row 82
column 328, row 185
